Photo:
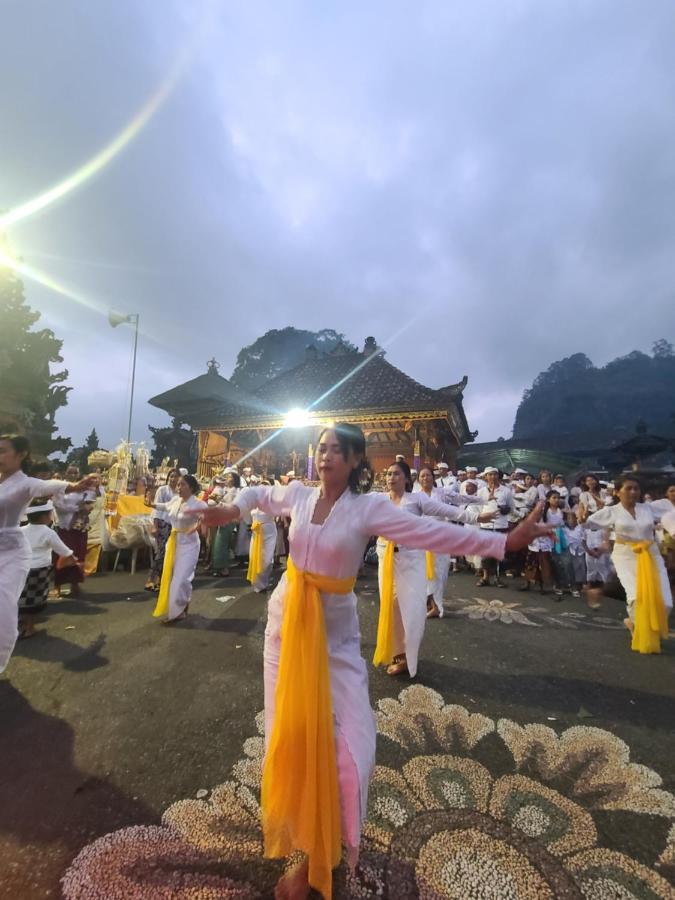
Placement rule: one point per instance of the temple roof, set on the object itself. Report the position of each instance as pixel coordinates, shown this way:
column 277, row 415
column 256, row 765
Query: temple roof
column 202, row 396
column 327, row 384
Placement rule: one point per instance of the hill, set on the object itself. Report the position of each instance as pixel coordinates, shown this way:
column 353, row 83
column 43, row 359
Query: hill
column 278, row 351
column 575, row 398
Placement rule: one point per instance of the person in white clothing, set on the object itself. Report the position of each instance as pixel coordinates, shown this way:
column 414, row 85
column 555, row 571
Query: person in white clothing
column 446, row 478
column 16, row 491
column 634, row 543
column 416, row 486
column 266, row 526
column 43, row 542
column 182, row 551
column 409, row 571
column 545, row 484
column 498, row 499
column 162, row 528
column 312, row 615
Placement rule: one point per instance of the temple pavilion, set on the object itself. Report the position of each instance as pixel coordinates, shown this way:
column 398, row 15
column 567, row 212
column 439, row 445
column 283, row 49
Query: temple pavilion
column 275, row 428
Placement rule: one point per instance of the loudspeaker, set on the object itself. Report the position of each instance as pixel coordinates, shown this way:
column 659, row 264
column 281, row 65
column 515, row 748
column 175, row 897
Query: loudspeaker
column 116, row 319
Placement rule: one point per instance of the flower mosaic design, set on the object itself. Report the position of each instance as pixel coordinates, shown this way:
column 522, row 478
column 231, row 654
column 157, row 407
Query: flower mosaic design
column 467, row 807
column 537, row 616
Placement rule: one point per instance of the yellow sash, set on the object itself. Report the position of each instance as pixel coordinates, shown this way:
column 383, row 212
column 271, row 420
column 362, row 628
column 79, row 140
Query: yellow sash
column 651, row 619
column 162, row 605
column 384, row 649
column 431, row 566
column 255, row 556
column 300, row 798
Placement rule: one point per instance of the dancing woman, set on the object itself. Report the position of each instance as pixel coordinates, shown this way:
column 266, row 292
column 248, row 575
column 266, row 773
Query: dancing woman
column 182, row 551
column 16, row 492
column 639, row 565
column 261, row 552
column 314, row 789
column 402, row 575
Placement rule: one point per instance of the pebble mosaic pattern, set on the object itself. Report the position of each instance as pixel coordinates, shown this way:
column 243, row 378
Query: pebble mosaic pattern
column 467, row 808
column 514, row 613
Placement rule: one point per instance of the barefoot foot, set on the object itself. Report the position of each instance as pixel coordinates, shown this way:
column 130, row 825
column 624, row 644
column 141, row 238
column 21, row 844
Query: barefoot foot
column 294, row 884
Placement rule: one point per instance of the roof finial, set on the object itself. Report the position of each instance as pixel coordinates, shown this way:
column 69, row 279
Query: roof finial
column 212, row 366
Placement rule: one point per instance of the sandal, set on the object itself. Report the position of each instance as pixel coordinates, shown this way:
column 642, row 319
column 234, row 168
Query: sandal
column 178, row 618
column 483, row 582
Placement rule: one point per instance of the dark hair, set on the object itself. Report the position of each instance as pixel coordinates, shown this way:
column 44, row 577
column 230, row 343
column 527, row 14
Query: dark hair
column 236, row 478
column 34, row 518
column 20, row 444
column 405, row 468
column 428, row 469
column 192, row 483
column 172, row 472
column 547, row 506
column 351, row 439
column 623, row 479
column 584, row 481
column 44, row 466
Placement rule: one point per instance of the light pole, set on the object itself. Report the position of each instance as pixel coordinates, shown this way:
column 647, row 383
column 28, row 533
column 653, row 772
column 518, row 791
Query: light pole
column 116, row 319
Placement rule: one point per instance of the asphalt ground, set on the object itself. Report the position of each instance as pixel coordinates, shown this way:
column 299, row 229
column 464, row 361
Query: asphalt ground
column 107, row 717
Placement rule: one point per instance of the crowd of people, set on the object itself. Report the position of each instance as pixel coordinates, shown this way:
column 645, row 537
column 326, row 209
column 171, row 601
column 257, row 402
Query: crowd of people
column 418, row 526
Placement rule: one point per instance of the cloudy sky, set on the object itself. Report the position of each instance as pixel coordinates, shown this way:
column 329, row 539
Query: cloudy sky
column 499, row 177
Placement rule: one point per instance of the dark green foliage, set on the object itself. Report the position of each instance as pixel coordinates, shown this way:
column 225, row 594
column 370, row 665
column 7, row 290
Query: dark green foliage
column 175, row 442
column 278, row 351
column 79, row 455
column 31, row 391
column 574, row 397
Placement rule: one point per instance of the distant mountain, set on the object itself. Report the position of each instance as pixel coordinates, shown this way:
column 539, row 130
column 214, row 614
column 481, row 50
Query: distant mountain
column 278, row 351
column 574, row 398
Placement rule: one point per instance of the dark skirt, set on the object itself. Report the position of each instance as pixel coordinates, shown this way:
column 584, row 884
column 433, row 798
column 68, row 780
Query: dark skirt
column 77, row 541
column 161, row 536
column 36, row 590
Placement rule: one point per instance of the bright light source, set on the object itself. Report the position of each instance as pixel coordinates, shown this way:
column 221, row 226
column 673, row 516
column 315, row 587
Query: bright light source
column 296, row 418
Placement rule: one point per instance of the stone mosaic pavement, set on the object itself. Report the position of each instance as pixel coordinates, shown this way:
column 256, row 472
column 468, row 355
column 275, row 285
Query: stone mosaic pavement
column 532, row 757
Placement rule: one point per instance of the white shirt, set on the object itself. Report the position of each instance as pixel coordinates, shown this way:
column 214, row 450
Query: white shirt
column 335, row 547
column 501, row 496
column 66, row 508
column 43, row 541
column 18, row 490
column 175, row 509
column 164, row 495
column 625, row 526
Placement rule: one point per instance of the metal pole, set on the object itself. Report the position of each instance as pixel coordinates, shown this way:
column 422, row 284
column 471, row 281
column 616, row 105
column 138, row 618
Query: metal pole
column 133, row 378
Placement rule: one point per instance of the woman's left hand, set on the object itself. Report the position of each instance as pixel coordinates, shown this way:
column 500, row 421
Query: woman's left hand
column 528, row 530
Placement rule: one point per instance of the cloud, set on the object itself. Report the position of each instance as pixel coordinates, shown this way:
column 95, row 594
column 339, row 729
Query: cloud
column 499, row 175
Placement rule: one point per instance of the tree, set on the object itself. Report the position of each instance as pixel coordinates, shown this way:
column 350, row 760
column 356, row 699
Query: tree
column 175, row 442
column 662, row 349
column 278, row 351
column 31, row 392
column 573, row 400
column 79, row 456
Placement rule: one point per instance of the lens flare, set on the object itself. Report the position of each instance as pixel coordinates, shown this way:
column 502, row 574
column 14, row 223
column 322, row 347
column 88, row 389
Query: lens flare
column 298, row 418
column 47, row 281
column 77, row 178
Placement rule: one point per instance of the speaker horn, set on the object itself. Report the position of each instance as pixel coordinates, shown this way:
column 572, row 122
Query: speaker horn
column 116, row 319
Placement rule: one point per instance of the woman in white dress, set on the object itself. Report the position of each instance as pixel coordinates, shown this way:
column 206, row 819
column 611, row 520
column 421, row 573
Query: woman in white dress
column 314, row 789
column 162, row 528
column 598, row 560
column 406, row 579
column 16, row 492
column 638, row 564
column 261, row 552
column 437, row 564
column 182, row 551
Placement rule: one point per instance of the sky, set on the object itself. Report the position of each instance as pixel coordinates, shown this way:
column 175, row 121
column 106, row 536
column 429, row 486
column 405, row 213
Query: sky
column 485, row 187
